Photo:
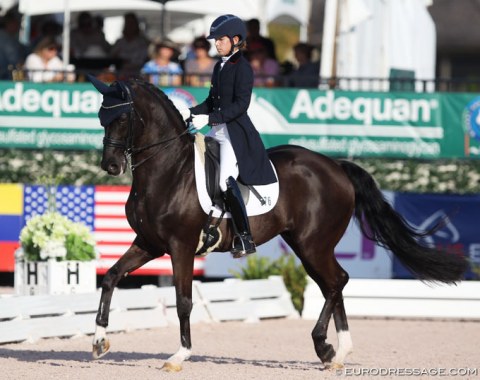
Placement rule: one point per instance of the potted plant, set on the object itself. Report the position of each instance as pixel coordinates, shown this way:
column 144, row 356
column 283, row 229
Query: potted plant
column 56, row 256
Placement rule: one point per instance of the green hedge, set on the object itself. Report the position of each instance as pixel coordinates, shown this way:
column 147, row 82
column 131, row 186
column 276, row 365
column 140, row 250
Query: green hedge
column 83, row 167
column 69, row 167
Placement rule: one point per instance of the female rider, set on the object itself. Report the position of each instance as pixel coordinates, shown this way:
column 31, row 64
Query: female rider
column 242, row 153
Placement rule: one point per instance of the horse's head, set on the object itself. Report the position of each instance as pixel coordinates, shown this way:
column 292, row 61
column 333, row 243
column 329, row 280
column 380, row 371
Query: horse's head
column 136, row 117
column 116, row 117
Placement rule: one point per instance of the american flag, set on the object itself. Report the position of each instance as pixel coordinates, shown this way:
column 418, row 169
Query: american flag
column 102, row 209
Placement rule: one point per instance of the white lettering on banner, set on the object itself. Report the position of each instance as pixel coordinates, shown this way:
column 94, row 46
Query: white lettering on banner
column 365, row 110
column 354, row 146
column 13, row 136
column 56, row 103
column 46, row 139
column 31, row 101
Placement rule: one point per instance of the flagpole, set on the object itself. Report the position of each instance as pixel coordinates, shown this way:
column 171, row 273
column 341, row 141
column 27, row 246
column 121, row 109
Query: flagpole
column 66, row 35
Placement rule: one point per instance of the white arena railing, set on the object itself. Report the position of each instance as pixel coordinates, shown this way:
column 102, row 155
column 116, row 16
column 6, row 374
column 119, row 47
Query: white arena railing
column 401, row 299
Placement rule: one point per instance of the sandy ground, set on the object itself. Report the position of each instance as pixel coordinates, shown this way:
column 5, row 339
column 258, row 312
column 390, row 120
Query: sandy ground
column 272, row 349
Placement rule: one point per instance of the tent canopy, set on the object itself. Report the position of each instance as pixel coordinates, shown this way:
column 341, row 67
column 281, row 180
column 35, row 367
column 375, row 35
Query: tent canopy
column 107, row 7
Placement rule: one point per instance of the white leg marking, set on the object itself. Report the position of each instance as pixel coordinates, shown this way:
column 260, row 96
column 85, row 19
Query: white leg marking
column 180, row 356
column 345, row 346
column 100, row 333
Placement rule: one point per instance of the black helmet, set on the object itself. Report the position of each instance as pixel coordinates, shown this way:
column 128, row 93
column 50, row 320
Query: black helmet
column 228, row 25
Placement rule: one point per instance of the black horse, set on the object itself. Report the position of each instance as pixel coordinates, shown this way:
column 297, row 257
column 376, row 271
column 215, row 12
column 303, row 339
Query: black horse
column 318, row 196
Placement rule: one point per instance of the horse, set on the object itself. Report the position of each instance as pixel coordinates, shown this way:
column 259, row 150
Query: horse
column 317, row 197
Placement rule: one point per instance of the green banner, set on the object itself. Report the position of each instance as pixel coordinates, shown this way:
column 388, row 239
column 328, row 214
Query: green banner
column 336, row 123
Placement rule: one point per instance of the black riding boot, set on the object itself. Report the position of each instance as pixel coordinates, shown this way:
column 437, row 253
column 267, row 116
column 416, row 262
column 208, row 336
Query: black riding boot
column 242, row 241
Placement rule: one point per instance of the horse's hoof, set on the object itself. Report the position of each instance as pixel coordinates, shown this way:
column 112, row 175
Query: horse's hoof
column 101, row 348
column 172, row 367
column 334, row 366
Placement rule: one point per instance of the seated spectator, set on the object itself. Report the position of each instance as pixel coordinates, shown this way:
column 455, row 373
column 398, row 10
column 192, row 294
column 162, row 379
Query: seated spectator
column 162, row 68
column 255, row 41
column 265, row 69
column 88, row 39
column 199, row 69
column 132, row 48
column 12, row 52
column 307, row 73
column 44, row 65
column 49, row 28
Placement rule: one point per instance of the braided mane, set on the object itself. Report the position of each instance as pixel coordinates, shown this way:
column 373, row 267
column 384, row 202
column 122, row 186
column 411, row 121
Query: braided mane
column 156, row 91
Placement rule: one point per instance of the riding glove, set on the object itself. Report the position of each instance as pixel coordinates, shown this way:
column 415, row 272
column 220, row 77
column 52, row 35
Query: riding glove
column 199, row 121
column 185, row 112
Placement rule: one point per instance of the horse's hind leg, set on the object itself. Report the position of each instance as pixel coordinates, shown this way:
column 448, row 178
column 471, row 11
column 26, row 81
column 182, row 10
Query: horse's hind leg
column 343, row 334
column 324, row 269
column 331, row 282
column 134, row 258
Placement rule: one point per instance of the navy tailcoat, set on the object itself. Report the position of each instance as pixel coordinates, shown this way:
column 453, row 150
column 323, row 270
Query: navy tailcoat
column 227, row 102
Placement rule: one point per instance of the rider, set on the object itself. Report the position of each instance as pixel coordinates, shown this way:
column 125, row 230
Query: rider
column 242, row 153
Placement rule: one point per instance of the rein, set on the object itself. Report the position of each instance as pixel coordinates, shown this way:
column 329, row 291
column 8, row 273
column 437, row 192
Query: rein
column 127, row 144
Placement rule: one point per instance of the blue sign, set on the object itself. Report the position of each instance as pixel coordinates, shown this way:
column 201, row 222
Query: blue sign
column 459, row 233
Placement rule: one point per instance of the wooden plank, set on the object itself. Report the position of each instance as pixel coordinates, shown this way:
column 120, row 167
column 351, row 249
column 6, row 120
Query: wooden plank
column 401, row 298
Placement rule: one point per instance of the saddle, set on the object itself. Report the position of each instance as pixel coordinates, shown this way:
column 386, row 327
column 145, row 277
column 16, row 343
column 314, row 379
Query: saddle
column 210, row 233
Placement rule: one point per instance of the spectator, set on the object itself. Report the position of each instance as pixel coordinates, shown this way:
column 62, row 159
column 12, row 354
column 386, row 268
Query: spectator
column 44, row 65
column 162, row 68
column 88, row 39
column 256, row 42
column 49, row 28
column 265, row 69
column 199, row 69
column 307, row 73
column 12, row 52
column 132, row 48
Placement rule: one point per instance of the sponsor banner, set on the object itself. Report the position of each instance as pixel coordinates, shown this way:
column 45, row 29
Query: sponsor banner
column 458, row 232
column 336, row 123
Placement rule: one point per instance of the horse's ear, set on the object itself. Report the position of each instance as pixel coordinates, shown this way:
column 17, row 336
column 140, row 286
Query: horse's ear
column 99, row 85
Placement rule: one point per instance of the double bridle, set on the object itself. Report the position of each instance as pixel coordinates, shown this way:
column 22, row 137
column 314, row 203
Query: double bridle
column 127, row 145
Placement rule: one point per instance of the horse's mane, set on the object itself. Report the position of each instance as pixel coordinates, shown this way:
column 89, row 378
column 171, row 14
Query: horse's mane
column 160, row 95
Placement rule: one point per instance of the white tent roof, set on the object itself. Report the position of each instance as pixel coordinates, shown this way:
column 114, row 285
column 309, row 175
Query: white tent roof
column 36, row 7
column 244, row 9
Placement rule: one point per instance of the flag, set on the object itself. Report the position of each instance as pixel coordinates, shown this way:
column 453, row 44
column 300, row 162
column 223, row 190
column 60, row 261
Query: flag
column 114, row 235
column 101, row 208
column 11, row 209
column 112, row 231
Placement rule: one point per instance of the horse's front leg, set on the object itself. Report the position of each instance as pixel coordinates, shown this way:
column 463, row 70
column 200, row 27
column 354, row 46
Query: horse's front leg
column 183, row 275
column 134, row 258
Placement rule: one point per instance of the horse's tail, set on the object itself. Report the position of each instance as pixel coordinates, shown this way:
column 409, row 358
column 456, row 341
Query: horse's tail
column 381, row 223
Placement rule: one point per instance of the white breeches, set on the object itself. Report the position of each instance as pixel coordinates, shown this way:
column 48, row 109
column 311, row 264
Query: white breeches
column 228, row 160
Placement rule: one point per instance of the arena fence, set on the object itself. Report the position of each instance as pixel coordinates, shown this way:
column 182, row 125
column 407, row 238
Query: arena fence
column 29, row 318
column 401, row 299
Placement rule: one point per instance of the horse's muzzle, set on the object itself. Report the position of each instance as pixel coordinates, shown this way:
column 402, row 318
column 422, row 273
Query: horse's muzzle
column 112, row 167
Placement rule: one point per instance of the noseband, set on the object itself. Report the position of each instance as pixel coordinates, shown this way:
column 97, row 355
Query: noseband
column 127, row 145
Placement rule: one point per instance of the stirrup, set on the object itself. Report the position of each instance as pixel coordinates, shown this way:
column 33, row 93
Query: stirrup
column 242, row 245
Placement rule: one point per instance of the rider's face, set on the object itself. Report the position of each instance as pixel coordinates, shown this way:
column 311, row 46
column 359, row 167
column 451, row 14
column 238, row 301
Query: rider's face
column 223, row 45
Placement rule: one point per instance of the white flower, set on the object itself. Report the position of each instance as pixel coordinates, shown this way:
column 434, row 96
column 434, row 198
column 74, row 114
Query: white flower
column 46, row 236
column 53, row 249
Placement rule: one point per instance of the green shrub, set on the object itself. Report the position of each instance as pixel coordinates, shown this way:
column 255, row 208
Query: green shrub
column 294, row 276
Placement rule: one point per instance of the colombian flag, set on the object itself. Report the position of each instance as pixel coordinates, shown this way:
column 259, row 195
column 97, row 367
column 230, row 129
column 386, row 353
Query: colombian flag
column 11, row 222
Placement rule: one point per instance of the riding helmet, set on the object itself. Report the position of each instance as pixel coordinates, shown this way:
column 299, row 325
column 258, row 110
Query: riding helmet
column 228, row 25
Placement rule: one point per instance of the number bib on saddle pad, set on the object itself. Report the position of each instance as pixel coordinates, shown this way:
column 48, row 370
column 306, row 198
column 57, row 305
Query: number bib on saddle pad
column 269, row 193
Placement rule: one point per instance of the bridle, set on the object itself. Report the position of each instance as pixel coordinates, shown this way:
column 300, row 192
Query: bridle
column 127, row 145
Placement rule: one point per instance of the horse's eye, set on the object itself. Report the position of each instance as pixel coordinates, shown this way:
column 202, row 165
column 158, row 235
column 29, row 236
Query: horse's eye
column 123, row 117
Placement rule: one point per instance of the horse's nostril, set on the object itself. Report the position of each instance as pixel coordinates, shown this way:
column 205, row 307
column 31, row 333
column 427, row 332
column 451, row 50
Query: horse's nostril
column 113, row 168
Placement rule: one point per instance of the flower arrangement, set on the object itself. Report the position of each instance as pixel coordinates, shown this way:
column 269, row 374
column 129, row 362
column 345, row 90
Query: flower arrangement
column 54, row 236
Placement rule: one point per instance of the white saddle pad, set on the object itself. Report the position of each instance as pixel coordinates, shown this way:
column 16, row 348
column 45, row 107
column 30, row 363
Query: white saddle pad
column 254, row 207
